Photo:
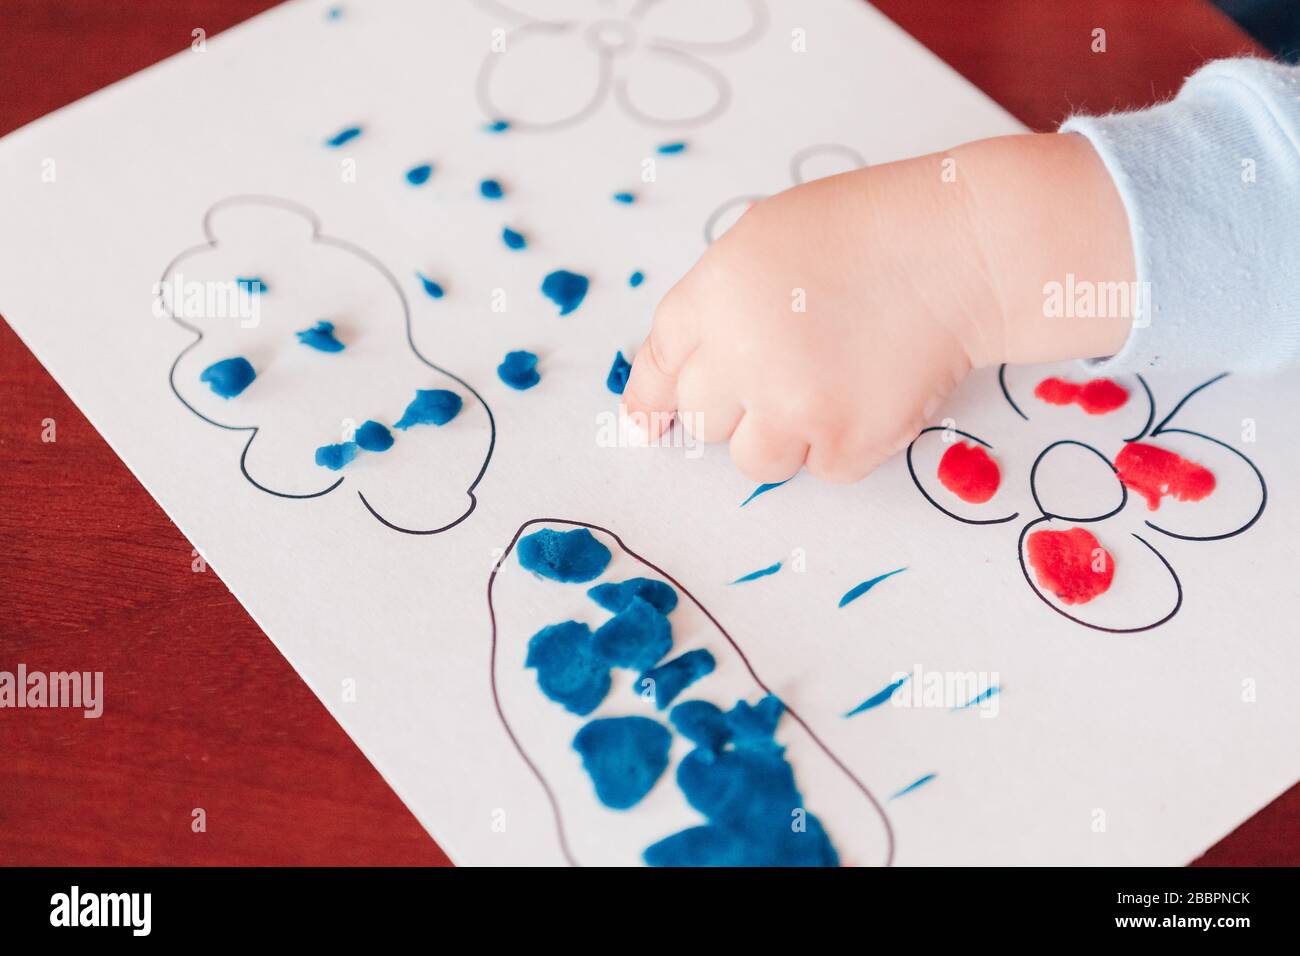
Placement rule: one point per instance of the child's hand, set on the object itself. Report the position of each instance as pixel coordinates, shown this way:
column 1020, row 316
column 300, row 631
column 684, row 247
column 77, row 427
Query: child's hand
column 826, row 327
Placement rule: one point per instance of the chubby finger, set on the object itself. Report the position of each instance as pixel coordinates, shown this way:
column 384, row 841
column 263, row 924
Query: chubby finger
column 706, row 403
column 766, row 454
column 651, row 392
column 843, row 465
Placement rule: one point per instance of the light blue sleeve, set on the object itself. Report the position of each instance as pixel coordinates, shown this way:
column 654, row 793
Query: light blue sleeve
column 1211, row 183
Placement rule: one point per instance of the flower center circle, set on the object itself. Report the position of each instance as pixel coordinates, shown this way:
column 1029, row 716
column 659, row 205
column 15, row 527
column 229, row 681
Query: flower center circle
column 611, row 36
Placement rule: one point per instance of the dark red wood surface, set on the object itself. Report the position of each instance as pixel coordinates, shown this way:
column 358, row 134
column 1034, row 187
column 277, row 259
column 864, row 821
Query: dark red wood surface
column 202, row 711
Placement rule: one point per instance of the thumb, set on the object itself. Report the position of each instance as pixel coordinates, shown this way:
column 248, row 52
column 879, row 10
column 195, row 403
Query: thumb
column 650, row 397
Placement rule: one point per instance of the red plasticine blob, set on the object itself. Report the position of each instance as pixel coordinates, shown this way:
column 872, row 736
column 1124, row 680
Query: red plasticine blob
column 1154, row 472
column 1071, row 564
column 969, row 473
column 1096, row 397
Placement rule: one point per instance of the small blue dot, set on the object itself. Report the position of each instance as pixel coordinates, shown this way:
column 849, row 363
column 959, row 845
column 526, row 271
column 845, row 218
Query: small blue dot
column 519, row 370
column 419, row 175
column 497, row 126
column 431, row 288
column 636, row 278
column 625, row 198
column 345, row 135
column 491, row 189
column 514, row 240
column 671, row 149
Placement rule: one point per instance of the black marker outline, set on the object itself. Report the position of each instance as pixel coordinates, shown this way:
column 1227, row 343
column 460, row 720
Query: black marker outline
column 1024, row 569
column 317, row 236
column 557, row 814
column 911, row 470
column 1146, row 388
column 1263, row 489
column 610, row 83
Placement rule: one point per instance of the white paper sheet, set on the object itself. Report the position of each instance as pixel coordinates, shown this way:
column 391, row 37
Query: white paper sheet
column 1098, row 747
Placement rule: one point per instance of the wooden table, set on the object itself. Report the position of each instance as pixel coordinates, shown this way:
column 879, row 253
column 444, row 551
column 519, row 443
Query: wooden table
column 204, row 712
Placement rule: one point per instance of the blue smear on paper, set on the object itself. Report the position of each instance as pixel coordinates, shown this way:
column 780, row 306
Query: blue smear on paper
column 491, row 189
column 760, row 573
column 373, row 436
column 252, row 284
column 748, row 794
column 616, row 380
column 334, row 13
column 672, row 677
column 568, row 670
column 431, row 406
column 875, row 700
column 625, row 198
column 512, row 239
column 419, row 175
column 566, row 289
column 624, row 756
column 636, row 278
column 321, row 337
column 762, row 490
column 919, row 782
column 497, row 126
column 980, row 697
column 672, row 149
column 637, row 637
column 229, row 377
column 616, row 596
column 858, row 590
column 572, row 557
column 519, row 370
column 334, row 457
column 431, row 288
column 345, row 135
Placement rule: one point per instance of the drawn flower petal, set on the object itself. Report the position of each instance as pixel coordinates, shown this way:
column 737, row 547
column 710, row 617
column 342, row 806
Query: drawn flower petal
column 1024, row 390
column 729, row 25
column 548, row 77
column 929, row 458
column 663, row 86
column 1075, row 482
column 1235, row 498
column 1141, row 590
column 537, row 11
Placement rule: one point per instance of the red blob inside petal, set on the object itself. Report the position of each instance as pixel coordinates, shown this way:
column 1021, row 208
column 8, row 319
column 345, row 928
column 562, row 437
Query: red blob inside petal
column 1071, row 564
column 1154, row 472
column 1096, row 397
column 969, row 473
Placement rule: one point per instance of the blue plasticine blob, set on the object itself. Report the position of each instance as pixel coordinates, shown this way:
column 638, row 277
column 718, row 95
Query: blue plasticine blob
column 748, row 794
column 229, row 377
column 491, row 189
column 636, row 637
column 762, row 490
column 431, row 288
column 334, row 457
column 497, row 126
column 419, row 175
column 519, row 370
column 512, row 239
column 760, row 573
column 636, row 278
column 320, row 337
column 616, row 380
column 672, row 149
column 572, row 557
column 625, row 198
column 702, row 723
column 617, row 595
column 251, row 284
column 568, row 670
column 373, row 436
column 624, row 756
column 431, row 406
column 345, row 135
column 566, row 289
column 674, row 676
